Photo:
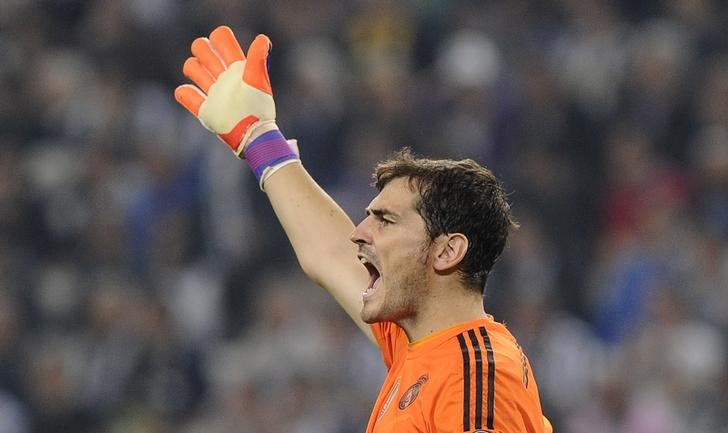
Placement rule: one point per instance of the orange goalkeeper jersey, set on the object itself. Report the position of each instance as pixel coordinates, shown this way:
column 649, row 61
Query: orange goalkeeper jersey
column 471, row 377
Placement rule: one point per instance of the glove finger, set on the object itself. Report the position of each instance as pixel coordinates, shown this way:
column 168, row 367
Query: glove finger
column 256, row 68
column 224, row 43
column 202, row 49
column 189, row 97
column 193, row 70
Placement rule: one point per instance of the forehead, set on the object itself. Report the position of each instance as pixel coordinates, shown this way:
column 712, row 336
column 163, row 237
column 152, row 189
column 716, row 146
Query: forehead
column 398, row 195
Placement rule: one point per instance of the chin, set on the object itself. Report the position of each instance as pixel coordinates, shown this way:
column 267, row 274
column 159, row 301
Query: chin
column 369, row 319
column 370, row 316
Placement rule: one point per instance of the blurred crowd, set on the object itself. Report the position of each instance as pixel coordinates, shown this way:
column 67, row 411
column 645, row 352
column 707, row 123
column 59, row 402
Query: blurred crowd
column 145, row 285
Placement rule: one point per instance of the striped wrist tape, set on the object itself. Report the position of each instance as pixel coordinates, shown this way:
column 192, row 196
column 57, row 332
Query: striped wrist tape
column 269, row 152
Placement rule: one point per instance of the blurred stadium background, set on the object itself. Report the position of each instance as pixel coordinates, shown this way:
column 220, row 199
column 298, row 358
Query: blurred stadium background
column 145, row 285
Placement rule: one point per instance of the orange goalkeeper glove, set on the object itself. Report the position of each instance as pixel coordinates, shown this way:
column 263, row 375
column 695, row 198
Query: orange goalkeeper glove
column 233, row 99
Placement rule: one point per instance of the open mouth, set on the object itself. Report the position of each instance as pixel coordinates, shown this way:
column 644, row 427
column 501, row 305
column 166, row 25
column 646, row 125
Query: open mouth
column 375, row 277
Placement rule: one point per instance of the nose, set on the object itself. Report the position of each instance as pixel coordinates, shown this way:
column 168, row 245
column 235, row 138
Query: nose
column 360, row 235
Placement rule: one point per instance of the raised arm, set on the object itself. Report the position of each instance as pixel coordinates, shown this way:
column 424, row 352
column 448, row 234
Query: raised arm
column 233, row 99
column 319, row 232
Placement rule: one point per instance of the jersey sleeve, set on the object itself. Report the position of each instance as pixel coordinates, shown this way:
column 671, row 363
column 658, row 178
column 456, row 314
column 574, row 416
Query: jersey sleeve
column 391, row 339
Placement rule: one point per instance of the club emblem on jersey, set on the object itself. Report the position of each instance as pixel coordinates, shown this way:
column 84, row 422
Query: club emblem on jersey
column 412, row 392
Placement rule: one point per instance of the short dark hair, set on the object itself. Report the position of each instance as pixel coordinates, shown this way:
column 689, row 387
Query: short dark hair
column 456, row 197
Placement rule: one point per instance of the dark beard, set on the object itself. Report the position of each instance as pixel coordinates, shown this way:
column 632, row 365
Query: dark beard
column 409, row 292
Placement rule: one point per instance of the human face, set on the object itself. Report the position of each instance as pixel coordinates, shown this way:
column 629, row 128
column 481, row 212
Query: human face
column 394, row 247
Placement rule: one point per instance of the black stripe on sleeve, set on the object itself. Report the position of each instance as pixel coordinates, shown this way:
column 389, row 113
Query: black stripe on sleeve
column 466, row 382
column 478, row 380
column 491, row 377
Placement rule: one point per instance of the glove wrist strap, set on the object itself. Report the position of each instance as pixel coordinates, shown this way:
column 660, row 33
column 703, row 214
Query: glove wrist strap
column 267, row 152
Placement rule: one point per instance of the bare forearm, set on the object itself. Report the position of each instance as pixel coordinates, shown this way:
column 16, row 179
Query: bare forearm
column 315, row 225
column 319, row 231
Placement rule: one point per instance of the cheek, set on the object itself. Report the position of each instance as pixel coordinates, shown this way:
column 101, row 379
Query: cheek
column 404, row 262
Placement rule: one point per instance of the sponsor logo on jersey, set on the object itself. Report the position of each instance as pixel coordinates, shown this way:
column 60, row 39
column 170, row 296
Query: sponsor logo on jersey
column 412, row 392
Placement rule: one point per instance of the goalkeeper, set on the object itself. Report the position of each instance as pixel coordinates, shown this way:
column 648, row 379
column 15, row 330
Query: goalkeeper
column 411, row 275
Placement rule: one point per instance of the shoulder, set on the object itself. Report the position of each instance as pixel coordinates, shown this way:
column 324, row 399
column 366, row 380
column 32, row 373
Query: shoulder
column 485, row 343
column 484, row 382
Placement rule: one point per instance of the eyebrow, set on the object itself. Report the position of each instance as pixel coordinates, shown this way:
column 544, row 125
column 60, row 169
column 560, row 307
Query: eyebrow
column 381, row 212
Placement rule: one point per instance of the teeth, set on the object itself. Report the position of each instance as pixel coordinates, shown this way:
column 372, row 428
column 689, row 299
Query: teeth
column 363, row 260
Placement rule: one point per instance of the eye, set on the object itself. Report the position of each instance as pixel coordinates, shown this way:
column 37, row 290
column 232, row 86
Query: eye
column 383, row 221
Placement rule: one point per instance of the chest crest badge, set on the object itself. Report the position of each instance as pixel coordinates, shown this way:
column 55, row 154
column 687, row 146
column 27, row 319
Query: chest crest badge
column 412, row 392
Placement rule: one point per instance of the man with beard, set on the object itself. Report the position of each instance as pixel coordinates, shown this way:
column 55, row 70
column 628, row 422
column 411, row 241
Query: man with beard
column 411, row 275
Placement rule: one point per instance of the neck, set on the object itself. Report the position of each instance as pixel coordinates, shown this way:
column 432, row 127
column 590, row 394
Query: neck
column 445, row 306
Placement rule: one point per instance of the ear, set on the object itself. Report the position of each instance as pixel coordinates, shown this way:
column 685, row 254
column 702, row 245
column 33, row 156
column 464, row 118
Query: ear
column 449, row 251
